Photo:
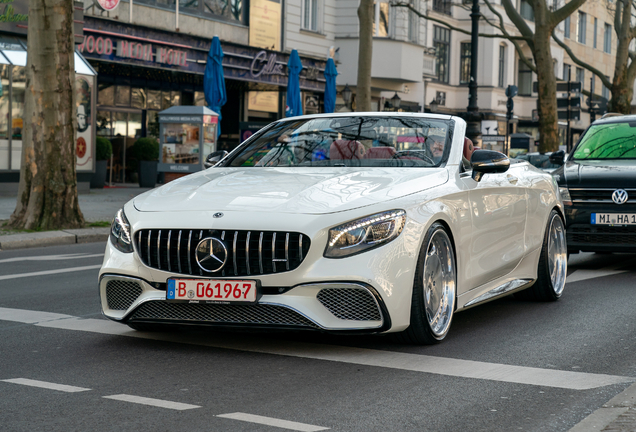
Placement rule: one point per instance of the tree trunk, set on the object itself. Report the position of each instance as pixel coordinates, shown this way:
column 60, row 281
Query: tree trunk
column 365, row 51
column 622, row 88
column 548, row 116
column 47, row 194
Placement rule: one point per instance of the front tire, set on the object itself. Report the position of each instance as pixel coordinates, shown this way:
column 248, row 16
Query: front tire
column 434, row 290
column 553, row 264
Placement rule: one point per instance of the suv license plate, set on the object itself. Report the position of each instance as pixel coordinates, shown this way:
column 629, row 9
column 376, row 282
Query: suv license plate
column 211, row 290
column 613, row 219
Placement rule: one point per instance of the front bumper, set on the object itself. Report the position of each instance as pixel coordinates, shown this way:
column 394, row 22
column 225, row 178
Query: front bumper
column 584, row 236
column 332, row 306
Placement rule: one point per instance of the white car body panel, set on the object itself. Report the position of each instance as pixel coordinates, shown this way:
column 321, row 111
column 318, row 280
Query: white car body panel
column 497, row 226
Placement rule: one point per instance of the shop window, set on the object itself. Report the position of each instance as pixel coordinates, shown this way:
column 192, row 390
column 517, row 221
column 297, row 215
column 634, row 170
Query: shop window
column 120, row 121
column 103, row 124
column 152, row 127
column 154, row 99
column 122, row 95
column 4, row 101
column 17, row 103
column 134, row 125
column 175, row 98
column 199, row 98
column 138, row 97
column 106, row 94
column 166, row 101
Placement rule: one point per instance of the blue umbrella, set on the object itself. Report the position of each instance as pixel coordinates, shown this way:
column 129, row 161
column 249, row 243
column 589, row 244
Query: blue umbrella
column 330, row 86
column 214, row 81
column 294, row 104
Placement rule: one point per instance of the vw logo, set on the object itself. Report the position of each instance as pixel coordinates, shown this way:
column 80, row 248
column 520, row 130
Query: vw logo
column 217, row 215
column 620, row 196
column 211, row 254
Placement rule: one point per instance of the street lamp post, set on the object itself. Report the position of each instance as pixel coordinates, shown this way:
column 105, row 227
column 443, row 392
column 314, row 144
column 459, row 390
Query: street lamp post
column 473, row 131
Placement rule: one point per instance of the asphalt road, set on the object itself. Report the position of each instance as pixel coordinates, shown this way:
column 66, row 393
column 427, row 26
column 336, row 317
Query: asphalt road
column 507, row 365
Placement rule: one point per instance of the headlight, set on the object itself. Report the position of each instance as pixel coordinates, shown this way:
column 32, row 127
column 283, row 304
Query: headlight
column 363, row 234
column 565, row 195
column 120, row 234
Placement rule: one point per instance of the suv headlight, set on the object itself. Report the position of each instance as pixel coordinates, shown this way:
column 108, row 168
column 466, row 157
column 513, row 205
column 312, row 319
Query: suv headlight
column 565, row 195
column 120, row 233
column 364, row 234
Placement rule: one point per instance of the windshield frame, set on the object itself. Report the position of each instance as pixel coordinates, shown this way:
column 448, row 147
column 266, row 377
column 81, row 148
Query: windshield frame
column 448, row 120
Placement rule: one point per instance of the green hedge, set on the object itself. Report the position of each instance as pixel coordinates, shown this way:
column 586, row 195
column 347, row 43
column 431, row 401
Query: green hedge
column 145, row 149
column 103, row 149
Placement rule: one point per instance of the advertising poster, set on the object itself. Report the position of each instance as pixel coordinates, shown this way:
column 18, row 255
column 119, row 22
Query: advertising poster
column 265, row 24
column 84, row 138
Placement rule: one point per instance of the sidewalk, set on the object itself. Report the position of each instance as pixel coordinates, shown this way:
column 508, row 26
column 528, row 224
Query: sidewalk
column 100, row 205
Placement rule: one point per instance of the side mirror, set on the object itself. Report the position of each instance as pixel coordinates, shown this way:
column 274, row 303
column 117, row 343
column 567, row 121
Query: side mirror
column 488, row 162
column 558, row 157
column 214, row 158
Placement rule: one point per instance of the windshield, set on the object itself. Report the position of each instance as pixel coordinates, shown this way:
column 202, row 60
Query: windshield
column 608, row 141
column 349, row 141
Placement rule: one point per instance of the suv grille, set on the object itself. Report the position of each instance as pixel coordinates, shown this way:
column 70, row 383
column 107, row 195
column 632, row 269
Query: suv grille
column 592, row 195
column 350, row 303
column 263, row 314
column 618, row 235
column 249, row 252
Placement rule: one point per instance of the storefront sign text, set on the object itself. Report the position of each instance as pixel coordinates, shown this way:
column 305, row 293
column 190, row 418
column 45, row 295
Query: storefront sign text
column 133, row 50
column 261, row 65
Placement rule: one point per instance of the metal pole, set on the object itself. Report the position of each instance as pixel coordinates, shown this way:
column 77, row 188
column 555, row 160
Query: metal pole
column 473, row 130
column 176, row 5
column 592, row 109
column 131, row 12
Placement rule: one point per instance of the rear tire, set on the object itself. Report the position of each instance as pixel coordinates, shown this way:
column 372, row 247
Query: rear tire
column 553, row 264
column 434, row 290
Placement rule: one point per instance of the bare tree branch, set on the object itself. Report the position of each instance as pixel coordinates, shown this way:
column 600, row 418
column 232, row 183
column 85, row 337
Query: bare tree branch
column 606, row 82
column 565, row 11
column 517, row 19
column 449, row 26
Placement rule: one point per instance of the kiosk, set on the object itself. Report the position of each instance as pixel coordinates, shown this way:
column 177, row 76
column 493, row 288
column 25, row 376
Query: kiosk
column 187, row 134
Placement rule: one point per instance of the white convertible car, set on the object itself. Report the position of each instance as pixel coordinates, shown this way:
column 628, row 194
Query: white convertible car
column 356, row 222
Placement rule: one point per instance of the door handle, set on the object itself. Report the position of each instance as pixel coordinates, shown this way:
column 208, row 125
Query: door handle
column 512, row 179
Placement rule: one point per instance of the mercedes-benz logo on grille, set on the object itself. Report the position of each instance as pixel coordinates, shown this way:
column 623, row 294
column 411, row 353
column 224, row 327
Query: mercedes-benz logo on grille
column 620, row 196
column 211, row 254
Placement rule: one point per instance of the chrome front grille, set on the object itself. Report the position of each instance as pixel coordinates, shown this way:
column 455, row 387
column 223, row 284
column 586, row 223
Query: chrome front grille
column 249, row 252
column 355, row 304
column 255, row 314
column 121, row 294
column 598, row 195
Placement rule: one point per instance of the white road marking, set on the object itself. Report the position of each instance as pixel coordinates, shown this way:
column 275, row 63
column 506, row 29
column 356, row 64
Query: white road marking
column 48, row 272
column 579, row 275
column 359, row 356
column 152, row 402
column 52, row 257
column 269, row 421
column 46, row 385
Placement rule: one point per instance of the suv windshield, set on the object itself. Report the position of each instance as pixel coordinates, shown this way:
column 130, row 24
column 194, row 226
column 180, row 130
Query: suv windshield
column 349, row 141
column 608, row 141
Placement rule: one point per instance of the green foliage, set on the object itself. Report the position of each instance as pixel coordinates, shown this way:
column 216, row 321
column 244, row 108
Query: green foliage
column 145, row 149
column 103, row 149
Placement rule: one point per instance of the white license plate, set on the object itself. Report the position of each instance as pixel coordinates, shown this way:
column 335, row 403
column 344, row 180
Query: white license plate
column 613, row 219
column 211, row 290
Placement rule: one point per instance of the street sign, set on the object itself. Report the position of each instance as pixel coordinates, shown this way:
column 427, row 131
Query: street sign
column 572, row 102
column 573, row 115
column 511, row 91
column 493, row 138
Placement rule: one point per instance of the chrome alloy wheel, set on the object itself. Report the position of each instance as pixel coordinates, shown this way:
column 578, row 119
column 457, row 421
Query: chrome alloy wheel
column 557, row 254
column 439, row 283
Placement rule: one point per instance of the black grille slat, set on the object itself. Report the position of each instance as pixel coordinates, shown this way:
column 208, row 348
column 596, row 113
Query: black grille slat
column 592, row 195
column 268, row 252
column 263, row 314
column 617, row 235
column 121, row 294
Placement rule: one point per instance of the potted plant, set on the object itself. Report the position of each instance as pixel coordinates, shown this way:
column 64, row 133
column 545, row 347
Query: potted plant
column 146, row 151
column 103, row 151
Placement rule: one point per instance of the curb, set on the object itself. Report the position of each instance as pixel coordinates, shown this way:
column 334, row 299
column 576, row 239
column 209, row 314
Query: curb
column 53, row 238
column 617, row 415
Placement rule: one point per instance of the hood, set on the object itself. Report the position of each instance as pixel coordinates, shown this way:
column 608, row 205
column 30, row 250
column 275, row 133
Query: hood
column 288, row 190
column 599, row 174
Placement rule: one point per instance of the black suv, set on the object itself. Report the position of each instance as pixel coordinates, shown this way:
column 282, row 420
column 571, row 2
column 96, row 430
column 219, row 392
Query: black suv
column 598, row 187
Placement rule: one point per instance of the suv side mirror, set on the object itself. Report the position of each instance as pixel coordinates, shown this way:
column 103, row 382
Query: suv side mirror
column 214, row 158
column 488, row 162
column 558, row 157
